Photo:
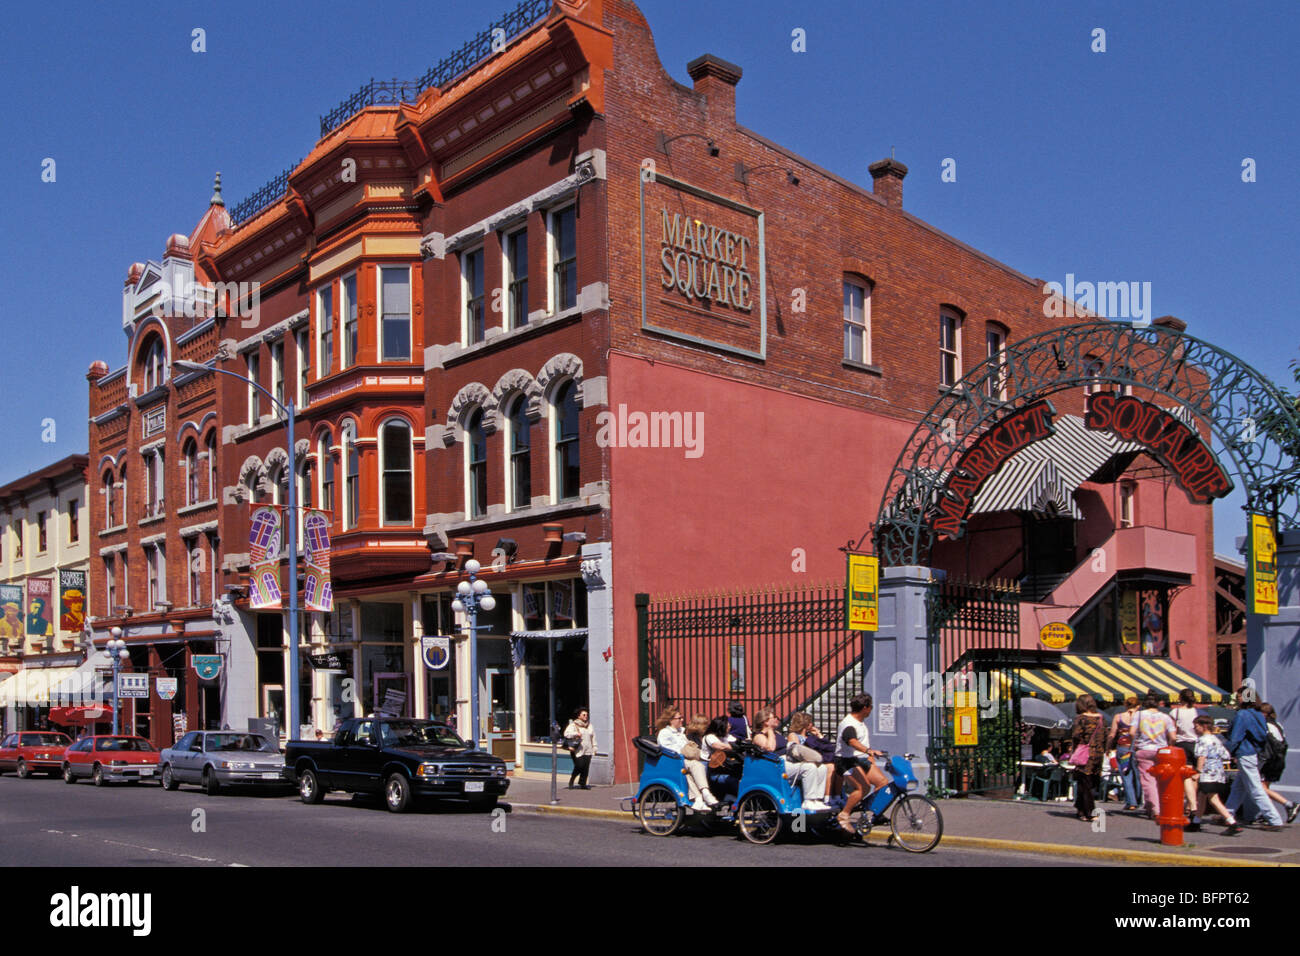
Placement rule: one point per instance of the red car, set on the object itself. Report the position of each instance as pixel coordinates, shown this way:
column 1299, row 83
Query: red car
column 108, row 758
column 35, row 750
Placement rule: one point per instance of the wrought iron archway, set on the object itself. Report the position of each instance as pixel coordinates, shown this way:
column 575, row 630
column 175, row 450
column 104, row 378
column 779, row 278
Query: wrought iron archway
column 1254, row 427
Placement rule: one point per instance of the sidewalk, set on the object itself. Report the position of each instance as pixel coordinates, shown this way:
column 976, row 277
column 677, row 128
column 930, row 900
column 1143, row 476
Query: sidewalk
column 1022, row 826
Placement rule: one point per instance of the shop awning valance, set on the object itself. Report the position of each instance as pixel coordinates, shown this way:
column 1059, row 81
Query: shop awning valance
column 92, row 680
column 30, row 687
column 1111, row 678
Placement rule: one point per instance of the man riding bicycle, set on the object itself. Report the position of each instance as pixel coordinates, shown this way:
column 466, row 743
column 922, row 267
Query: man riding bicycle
column 853, row 757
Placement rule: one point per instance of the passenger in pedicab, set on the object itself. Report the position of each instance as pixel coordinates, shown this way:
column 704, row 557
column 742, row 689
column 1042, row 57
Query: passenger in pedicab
column 671, row 737
column 736, row 721
column 808, row 776
column 854, row 757
column 804, row 733
column 724, row 764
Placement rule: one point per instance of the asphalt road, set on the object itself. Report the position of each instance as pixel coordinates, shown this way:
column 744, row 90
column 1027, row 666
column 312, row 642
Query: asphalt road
column 48, row 823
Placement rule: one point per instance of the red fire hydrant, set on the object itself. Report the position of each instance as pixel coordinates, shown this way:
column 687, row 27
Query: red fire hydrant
column 1171, row 770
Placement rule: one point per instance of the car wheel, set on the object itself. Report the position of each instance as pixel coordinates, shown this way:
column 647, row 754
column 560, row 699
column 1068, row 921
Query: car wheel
column 97, row 776
column 23, row 772
column 658, row 811
column 484, row 804
column 309, row 787
column 210, row 784
column 397, row 793
column 168, row 778
column 67, row 774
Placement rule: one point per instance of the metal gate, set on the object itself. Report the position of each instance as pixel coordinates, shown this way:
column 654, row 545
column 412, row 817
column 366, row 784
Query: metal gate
column 784, row 648
column 974, row 632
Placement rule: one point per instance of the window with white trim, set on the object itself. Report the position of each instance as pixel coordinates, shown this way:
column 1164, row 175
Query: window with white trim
column 302, row 357
column 348, row 310
column 110, row 501
column 326, row 459
column 516, row 278
column 995, row 347
column 1127, row 500
column 519, row 486
column 324, row 331
column 397, row 481
column 196, row 563
column 475, row 465
column 474, row 318
column 110, row 583
column 156, row 564
column 949, row 348
column 254, row 405
column 562, row 253
column 277, row 373
column 857, row 322
column 210, row 446
column 565, row 480
column 351, row 478
column 395, row 314
column 190, row 456
column 42, row 533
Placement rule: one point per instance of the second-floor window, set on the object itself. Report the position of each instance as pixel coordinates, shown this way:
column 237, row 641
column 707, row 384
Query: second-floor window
column 476, row 465
column 191, row 455
column 110, row 503
column 195, row 561
column 348, row 309
column 74, row 527
column 564, row 259
column 565, row 429
column 42, row 535
column 395, row 314
column 211, row 448
column 110, row 584
column 1127, row 494
column 156, row 561
column 949, row 349
column 18, row 539
column 324, row 331
column 857, row 322
column 153, row 483
column 520, row 444
column 517, row 279
column 303, row 358
column 995, row 346
column 473, row 279
column 326, row 478
column 254, row 399
column 395, row 447
column 352, row 477
column 277, row 372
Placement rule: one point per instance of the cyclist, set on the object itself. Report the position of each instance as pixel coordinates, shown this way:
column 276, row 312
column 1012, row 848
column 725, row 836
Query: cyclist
column 853, row 757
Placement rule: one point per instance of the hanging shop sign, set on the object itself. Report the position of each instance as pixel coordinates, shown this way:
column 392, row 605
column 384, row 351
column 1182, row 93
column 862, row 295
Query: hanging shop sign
column 207, row 666
column 862, row 607
column 985, row 456
column 40, row 607
column 166, row 687
column 72, row 601
column 1262, row 546
column 1058, row 635
column 264, row 557
column 133, row 686
column 437, row 652
column 1177, row 446
column 329, row 662
column 318, row 591
column 11, row 613
column 965, row 723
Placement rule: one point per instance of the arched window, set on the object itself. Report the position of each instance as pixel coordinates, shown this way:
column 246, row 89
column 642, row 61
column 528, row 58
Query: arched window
column 476, row 465
column 352, row 477
column 564, row 426
column 950, row 371
column 110, row 504
column 211, row 447
column 519, row 441
column 326, row 476
column 121, row 484
column 190, row 454
column 395, row 465
column 154, row 364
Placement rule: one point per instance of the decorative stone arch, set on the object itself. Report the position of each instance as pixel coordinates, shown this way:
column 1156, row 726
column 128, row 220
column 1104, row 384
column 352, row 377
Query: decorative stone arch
column 252, row 478
column 276, row 459
column 1253, row 429
column 473, row 395
column 108, row 460
column 517, row 381
column 557, row 369
column 301, row 449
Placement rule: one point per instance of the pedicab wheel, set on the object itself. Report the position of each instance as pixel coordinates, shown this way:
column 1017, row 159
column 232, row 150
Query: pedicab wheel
column 658, row 811
column 759, row 819
column 916, row 823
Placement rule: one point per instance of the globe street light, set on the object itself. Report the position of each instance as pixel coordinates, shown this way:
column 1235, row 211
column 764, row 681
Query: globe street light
column 471, row 596
column 116, row 648
column 288, row 410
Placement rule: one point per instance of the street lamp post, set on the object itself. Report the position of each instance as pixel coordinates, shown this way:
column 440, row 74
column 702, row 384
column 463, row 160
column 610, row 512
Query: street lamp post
column 116, row 648
column 472, row 595
column 288, row 410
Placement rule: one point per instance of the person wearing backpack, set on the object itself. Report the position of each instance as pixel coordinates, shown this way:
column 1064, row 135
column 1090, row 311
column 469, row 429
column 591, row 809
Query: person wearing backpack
column 1249, row 734
column 1272, row 763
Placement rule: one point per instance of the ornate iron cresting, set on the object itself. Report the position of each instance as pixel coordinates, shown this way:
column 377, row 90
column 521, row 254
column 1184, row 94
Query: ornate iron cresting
column 1224, row 393
column 247, row 208
column 449, row 69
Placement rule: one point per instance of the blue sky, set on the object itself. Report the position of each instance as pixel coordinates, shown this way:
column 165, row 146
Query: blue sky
column 1115, row 166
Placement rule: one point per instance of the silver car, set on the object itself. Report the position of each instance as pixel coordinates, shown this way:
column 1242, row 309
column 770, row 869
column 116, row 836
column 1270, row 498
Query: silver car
column 218, row 758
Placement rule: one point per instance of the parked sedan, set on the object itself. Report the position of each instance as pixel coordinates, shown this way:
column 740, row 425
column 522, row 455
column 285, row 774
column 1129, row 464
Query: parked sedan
column 110, row 758
column 39, row 750
column 215, row 759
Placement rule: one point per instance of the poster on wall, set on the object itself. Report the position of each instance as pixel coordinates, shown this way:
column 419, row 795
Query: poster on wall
column 318, row 591
column 11, row 612
column 40, row 610
column 72, row 601
column 264, row 539
column 1262, row 552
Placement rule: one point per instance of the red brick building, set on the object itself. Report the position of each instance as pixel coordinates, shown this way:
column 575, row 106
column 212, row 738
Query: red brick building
column 608, row 340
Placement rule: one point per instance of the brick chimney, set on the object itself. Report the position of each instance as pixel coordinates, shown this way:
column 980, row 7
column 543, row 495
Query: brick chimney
column 1171, row 322
column 887, row 176
column 716, row 79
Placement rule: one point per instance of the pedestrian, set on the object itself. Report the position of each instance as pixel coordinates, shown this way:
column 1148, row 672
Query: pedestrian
column 1089, row 738
column 1121, row 738
column 1211, row 777
column 1184, row 715
column 1155, row 729
column 1272, row 768
column 580, row 740
column 1249, row 732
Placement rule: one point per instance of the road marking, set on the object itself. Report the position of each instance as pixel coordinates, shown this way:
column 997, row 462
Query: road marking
column 188, row 856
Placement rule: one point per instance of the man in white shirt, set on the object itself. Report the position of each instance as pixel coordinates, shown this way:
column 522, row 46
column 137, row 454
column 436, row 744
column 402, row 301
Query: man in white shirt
column 853, row 755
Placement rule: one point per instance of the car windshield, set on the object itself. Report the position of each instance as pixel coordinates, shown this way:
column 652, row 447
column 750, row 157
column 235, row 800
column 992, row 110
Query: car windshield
column 410, row 732
column 125, row 743
column 248, row 742
column 45, row 740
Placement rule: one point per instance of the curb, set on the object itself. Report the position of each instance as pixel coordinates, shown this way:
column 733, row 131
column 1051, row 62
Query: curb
column 980, row 843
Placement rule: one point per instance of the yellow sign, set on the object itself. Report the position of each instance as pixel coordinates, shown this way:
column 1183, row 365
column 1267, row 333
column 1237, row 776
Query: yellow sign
column 1263, row 565
column 1056, row 635
column 965, row 726
column 861, row 594
column 1129, row 635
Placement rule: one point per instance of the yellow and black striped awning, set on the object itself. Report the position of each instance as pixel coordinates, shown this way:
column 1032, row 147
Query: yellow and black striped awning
column 1111, row 678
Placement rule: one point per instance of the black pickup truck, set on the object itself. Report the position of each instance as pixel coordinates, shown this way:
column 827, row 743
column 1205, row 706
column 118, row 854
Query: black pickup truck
column 400, row 757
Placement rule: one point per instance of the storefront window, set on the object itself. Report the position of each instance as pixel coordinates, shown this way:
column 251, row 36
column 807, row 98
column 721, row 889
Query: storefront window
column 438, row 619
column 1125, row 619
column 554, row 606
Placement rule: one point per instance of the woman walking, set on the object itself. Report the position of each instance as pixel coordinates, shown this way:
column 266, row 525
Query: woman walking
column 1089, row 738
column 579, row 731
column 1121, row 738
